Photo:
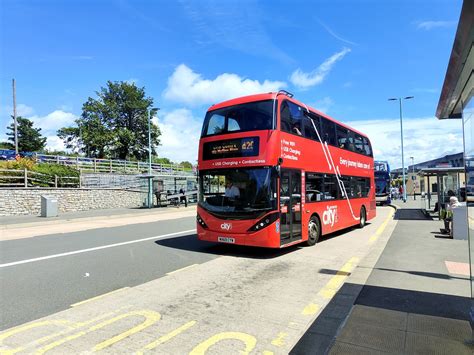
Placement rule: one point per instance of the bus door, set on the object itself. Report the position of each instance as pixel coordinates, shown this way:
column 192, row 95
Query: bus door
column 290, row 206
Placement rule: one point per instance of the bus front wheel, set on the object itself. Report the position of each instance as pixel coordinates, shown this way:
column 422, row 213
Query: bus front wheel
column 363, row 217
column 314, row 230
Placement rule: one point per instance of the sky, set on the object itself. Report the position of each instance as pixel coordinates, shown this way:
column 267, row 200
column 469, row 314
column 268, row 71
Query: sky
column 345, row 58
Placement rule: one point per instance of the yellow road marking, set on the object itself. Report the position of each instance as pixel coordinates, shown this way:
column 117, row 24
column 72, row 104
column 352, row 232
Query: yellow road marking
column 311, row 309
column 167, row 337
column 98, row 297
column 74, row 326
column 333, row 285
column 151, row 317
column 247, row 339
column 267, row 352
column 280, row 339
column 183, row 268
column 380, row 229
column 28, row 327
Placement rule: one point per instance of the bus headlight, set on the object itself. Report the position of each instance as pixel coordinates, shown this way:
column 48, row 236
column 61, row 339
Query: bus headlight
column 264, row 222
column 201, row 221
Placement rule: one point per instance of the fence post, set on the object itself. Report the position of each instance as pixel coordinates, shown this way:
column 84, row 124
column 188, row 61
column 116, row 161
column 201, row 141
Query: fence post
column 26, row 177
column 80, row 180
column 77, row 162
column 95, row 165
column 138, row 166
column 55, row 181
column 110, row 164
column 57, row 159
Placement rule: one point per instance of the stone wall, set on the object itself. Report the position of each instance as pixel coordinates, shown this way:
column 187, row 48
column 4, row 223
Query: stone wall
column 28, row 201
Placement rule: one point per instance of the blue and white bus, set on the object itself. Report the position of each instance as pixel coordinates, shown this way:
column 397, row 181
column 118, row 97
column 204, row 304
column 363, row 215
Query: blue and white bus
column 382, row 182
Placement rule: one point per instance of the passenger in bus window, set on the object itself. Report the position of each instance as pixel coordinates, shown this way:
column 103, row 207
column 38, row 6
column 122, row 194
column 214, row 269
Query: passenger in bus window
column 231, row 191
column 297, row 128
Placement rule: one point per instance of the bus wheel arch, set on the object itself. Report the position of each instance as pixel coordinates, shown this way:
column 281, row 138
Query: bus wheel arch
column 314, row 229
column 362, row 217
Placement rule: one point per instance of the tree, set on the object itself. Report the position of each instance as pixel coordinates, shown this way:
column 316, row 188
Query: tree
column 186, row 164
column 7, row 145
column 115, row 124
column 29, row 138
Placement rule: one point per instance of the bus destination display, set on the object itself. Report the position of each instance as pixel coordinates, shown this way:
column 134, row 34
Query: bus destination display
column 231, row 148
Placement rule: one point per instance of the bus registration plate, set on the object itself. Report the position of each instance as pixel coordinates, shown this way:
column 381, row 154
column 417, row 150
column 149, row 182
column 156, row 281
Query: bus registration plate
column 226, row 240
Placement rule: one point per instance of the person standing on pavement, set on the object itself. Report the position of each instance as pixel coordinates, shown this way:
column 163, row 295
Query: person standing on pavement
column 448, row 221
column 183, row 197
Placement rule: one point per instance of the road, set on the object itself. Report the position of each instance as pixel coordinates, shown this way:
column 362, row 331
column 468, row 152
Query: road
column 154, row 287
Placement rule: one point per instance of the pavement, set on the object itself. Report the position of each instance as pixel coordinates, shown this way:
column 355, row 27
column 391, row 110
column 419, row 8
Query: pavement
column 410, row 295
column 19, row 227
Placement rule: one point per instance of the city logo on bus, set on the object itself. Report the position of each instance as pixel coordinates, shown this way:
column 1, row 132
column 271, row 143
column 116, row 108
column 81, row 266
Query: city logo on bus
column 226, row 226
column 330, row 215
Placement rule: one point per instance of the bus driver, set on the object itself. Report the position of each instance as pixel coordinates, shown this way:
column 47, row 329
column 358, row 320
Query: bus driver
column 231, row 191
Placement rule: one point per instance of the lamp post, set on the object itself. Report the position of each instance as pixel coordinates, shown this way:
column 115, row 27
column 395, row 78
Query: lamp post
column 401, row 135
column 151, row 113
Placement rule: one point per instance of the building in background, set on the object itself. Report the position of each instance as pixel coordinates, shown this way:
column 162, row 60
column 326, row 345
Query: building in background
column 456, row 102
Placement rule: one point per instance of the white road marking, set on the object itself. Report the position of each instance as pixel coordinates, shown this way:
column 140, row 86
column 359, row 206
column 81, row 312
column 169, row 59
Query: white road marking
column 95, row 248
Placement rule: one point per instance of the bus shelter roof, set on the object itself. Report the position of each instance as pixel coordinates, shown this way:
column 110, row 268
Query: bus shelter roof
column 440, row 171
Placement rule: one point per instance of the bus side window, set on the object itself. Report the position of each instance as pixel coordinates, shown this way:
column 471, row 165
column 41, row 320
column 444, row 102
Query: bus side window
column 314, row 187
column 358, row 144
column 342, row 137
column 291, row 118
column 309, row 131
column 331, row 188
column 285, row 117
column 346, row 180
column 328, row 131
column 367, row 147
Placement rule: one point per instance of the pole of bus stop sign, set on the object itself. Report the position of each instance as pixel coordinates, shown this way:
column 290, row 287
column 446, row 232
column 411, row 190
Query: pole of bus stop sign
column 150, row 178
column 413, row 180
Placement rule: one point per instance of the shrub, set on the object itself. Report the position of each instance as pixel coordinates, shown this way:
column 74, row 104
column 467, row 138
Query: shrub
column 48, row 171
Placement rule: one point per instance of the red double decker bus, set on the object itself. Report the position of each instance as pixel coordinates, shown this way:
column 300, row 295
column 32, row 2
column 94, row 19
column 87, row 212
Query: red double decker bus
column 274, row 172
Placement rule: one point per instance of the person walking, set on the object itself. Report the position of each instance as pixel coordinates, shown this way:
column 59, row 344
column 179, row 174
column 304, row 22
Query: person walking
column 183, row 197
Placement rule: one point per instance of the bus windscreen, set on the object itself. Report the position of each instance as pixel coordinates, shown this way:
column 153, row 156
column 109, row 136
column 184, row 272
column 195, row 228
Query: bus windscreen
column 238, row 192
column 252, row 116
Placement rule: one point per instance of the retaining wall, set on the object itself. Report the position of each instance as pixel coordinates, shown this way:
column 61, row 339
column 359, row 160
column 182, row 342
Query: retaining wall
column 28, row 201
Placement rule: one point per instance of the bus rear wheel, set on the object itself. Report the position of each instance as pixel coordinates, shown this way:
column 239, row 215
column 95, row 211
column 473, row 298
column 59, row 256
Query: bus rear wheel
column 314, row 231
column 363, row 217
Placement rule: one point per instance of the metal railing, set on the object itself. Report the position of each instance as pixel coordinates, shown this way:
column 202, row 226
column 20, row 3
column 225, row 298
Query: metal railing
column 113, row 166
column 27, row 178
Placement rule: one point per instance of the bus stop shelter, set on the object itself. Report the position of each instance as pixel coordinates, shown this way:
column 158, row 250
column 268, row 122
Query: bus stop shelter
column 438, row 184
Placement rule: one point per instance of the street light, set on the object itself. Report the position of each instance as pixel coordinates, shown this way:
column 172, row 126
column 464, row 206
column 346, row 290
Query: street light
column 151, row 113
column 413, row 177
column 401, row 135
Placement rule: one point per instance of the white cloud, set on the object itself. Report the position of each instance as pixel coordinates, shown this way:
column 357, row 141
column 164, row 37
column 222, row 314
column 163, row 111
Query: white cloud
column 305, row 80
column 423, row 138
column 188, row 87
column 54, row 143
column 180, row 133
column 53, row 121
column 21, row 110
column 336, row 36
column 429, row 25
column 323, row 104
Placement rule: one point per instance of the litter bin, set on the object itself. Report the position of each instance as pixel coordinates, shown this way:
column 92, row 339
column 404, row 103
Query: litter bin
column 49, row 206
